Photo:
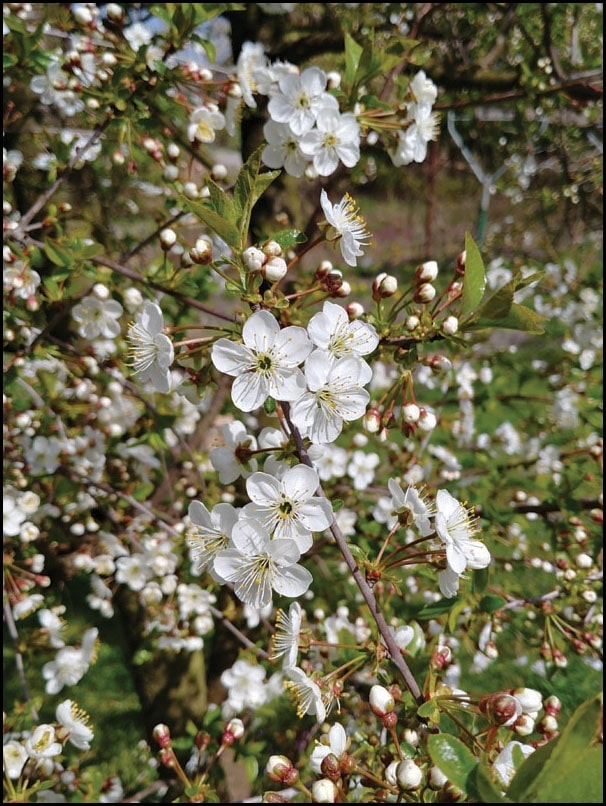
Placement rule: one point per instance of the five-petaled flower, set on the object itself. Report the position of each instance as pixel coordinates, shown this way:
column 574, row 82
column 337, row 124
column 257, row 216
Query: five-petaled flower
column 151, row 350
column 346, row 225
column 266, row 364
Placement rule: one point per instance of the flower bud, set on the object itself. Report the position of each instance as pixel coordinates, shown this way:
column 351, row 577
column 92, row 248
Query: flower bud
column 372, row 421
column 354, row 310
column 161, row 734
column 218, row 172
column 450, row 325
column 330, row 767
column 272, row 249
column 202, row 252
column 253, row 259
column 427, row 420
column 436, row 778
column 324, row 791
column 168, row 238
column 390, row 720
column 548, row 724
column 344, row 290
column 552, row 705
column 524, row 725
column 501, row 708
column 412, row 323
column 390, row 773
column 425, row 293
column 275, row 269
column 409, row 775
column 233, row 731
column 281, row 770
column 411, row 413
column 530, row 699
column 381, row 700
column 384, row 285
column 426, row 272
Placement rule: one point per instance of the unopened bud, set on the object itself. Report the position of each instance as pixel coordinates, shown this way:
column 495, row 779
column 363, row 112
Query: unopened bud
column 281, row 770
column 330, row 767
column 168, row 238
column 501, row 708
column 411, row 413
column 202, row 252
column 218, row 172
column 412, row 323
column 425, row 293
column 384, row 285
column 552, row 705
column 426, row 272
column 548, row 724
column 272, row 248
column 530, row 699
column 233, row 731
column 275, row 269
column 324, row 791
column 344, row 290
column 253, row 259
column 161, row 734
column 409, row 775
column 450, row 325
column 372, row 421
column 381, row 700
column 427, row 420
column 354, row 310
column 524, row 725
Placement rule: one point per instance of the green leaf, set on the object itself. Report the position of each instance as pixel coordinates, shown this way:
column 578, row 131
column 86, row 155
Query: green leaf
column 57, row 254
column 481, row 788
column 453, row 758
column 570, row 768
column 289, row 237
column 250, row 186
column 519, row 318
column 353, row 54
column 474, row 279
column 436, row 609
column 219, row 224
column 491, row 603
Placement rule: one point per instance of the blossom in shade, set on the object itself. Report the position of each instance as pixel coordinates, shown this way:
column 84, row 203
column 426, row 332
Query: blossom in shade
column 346, row 225
column 208, row 533
column 334, row 395
column 233, row 459
column 285, row 640
column 331, row 329
column 151, row 350
column 266, row 363
column 97, row 318
column 70, row 664
column 288, row 507
column 455, row 528
column 412, row 504
column 283, row 149
column 258, row 565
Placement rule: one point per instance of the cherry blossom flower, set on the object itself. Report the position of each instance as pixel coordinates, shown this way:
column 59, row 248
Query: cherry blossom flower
column 285, row 640
column 347, row 225
column 334, row 139
column 337, row 745
column 74, row 724
column 266, row 364
column 70, row 664
column 330, row 329
column 307, row 694
column 288, row 507
column 298, row 99
column 256, row 565
column 204, row 122
column 14, row 757
column 413, row 504
column 42, row 743
column 283, row 149
column 151, row 350
column 335, row 395
column 504, row 764
column 233, row 459
column 456, row 528
column 97, row 317
column 209, row 533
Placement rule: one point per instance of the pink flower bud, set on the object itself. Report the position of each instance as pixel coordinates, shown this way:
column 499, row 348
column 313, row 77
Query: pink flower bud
column 161, row 734
column 425, row 293
column 384, row 285
column 233, row 731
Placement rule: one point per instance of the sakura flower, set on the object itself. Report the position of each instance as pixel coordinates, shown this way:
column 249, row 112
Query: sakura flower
column 288, row 507
column 346, row 225
column 455, row 528
column 335, row 395
column 97, row 318
column 209, row 533
column 258, row 565
column 42, row 743
column 335, row 139
column 298, row 99
column 283, row 149
column 14, row 757
column 413, row 505
column 74, row 724
column 306, row 693
column 285, row 640
column 252, row 56
column 266, row 364
column 330, row 329
column 337, row 745
column 504, row 764
column 412, row 142
column 152, row 351
column 204, row 122
column 234, row 458
column 70, row 664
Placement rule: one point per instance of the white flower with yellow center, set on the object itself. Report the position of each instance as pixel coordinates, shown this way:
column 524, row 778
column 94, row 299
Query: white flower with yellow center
column 346, row 225
column 151, row 350
column 266, row 363
column 331, row 329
